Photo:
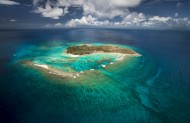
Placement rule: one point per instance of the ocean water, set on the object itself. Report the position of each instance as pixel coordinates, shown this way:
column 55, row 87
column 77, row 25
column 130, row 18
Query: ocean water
column 154, row 87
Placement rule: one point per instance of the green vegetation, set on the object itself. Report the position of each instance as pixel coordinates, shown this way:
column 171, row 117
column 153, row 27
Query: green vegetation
column 86, row 49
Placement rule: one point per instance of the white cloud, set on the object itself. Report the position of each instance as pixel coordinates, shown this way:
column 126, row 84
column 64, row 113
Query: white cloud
column 12, row 20
column 132, row 20
column 58, row 25
column 101, row 12
column 70, row 2
column 51, row 12
column 159, row 19
column 87, row 21
column 8, row 2
column 99, row 8
column 54, row 9
column 108, row 8
column 90, row 9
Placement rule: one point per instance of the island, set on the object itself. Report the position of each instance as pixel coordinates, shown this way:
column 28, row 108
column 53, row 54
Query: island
column 89, row 49
column 78, row 61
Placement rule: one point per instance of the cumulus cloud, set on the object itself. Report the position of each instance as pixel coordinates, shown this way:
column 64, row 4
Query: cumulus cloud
column 58, row 25
column 101, row 13
column 98, row 8
column 108, row 8
column 132, row 20
column 70, row 2
column 104, row 12
column 87, row 21
column 8, row 2
column 51, row 11
column 158, row 21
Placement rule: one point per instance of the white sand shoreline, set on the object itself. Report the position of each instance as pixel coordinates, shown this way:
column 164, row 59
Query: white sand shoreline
column 43, row 66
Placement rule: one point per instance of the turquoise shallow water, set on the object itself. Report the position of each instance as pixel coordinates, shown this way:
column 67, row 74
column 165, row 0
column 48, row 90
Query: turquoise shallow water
column 54, row 56
column 151, row 88
column 104, row 91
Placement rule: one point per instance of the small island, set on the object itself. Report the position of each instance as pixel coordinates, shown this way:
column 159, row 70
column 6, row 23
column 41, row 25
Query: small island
column 88, row 59
column 88, row 49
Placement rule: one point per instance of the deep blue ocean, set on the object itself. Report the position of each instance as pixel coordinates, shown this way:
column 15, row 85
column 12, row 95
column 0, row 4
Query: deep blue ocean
column 154, row 88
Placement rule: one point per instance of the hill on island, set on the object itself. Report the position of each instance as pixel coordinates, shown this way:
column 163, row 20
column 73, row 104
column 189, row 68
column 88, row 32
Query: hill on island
column 88, row 49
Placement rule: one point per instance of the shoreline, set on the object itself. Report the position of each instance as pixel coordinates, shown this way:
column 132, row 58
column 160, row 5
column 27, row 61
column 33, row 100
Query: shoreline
column 58, row 72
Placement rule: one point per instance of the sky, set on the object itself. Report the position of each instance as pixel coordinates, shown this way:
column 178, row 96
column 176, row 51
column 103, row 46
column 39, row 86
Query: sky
column 156, row 14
